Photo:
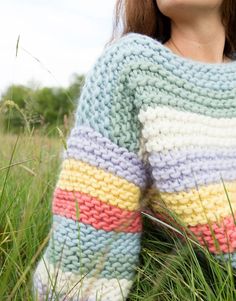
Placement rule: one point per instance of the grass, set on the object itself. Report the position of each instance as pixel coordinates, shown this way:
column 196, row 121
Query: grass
column 170, row 268
column 28, row 167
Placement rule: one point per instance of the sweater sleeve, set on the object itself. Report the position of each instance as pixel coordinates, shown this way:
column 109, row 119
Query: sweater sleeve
column 94, row 245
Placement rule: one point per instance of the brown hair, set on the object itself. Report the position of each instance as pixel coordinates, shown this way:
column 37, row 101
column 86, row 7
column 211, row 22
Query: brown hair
column 144, row 17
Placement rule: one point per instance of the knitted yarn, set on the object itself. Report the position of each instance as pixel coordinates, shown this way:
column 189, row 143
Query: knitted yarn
column 148, row 122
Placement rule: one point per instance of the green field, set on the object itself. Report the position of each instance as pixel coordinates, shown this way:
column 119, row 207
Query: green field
column 169, row 268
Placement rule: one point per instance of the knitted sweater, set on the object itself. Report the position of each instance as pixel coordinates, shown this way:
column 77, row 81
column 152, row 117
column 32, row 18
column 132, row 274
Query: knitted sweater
column 148, row 122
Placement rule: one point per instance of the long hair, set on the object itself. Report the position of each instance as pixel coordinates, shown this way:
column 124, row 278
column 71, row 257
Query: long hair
column 144, row 17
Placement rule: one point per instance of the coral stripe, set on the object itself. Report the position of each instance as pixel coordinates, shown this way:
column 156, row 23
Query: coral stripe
column 94, row 212
column 217, row 236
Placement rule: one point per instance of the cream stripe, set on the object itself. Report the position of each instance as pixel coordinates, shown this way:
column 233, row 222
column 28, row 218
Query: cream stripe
column 162, row 112
column 207, row 204
column 83, row 177
column 167, row 128
column 75, row 285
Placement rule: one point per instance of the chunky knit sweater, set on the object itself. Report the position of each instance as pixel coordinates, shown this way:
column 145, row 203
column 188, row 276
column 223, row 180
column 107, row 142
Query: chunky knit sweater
column 150, row 125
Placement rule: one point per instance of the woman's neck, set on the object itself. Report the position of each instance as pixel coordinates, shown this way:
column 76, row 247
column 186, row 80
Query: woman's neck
column 201, row 40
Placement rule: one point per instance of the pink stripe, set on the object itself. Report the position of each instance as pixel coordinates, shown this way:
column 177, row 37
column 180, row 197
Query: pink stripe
column 224, row 233
column 94, row 212
column 217, row 237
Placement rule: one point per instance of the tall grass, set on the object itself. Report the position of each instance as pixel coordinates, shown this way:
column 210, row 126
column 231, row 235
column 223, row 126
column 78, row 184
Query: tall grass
column 171, row 268
column 28, row 168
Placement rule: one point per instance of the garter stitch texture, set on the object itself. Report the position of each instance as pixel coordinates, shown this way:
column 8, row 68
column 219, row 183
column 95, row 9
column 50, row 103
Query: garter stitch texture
column 149, row 124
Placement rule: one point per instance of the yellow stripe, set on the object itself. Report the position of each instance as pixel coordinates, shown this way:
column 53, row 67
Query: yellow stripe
column 79, row 176
column 207, row 204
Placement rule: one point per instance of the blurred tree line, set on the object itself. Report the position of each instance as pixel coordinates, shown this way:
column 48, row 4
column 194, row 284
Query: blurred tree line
column 39, row 108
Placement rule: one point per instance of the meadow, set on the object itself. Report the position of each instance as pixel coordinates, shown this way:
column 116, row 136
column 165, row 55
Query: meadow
column 170, row 268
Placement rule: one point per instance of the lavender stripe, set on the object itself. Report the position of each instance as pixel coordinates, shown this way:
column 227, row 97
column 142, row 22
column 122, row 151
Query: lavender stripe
column 89, row 146
column 186, row 169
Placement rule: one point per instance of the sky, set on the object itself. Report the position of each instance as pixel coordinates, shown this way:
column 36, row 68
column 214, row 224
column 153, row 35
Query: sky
column 57, row 38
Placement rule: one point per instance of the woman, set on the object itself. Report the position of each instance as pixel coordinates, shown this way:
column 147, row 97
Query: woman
column 155, row 121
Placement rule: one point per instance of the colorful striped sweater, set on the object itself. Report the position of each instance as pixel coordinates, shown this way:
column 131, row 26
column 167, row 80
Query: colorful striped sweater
column 148, row 122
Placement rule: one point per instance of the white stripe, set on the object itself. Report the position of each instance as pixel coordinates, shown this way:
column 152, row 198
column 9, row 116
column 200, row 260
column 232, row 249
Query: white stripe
column 79, row 286
column 167, row 128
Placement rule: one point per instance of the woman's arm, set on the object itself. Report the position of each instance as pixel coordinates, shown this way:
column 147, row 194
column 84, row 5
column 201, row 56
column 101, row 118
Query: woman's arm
column 94, row 247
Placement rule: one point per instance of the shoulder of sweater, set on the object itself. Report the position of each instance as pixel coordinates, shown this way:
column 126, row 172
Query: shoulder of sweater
column 130, row 47
column 136, row 40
